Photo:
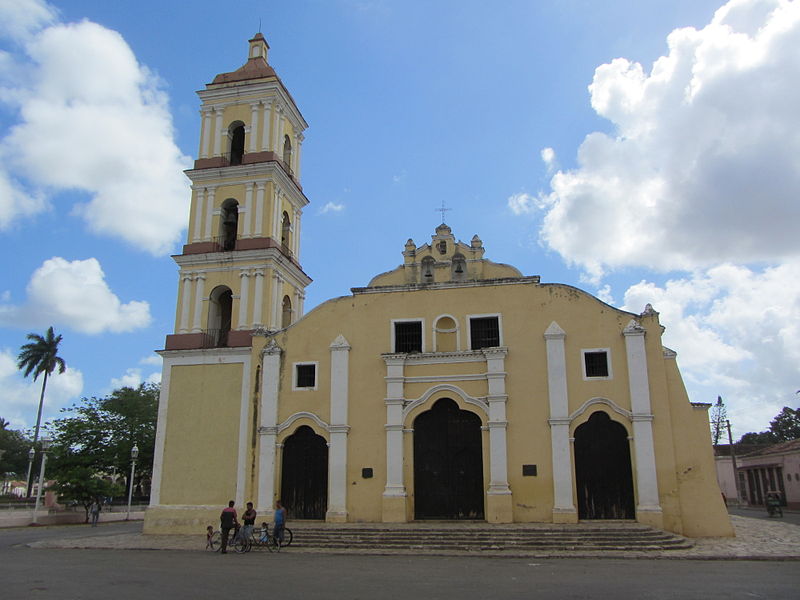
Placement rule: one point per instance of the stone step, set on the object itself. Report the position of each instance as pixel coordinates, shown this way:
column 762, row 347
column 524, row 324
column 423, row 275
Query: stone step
column 477, row 539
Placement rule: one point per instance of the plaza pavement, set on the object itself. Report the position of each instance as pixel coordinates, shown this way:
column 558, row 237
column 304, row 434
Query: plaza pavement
column 756, row 539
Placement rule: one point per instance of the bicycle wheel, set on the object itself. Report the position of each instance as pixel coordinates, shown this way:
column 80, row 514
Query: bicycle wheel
column 287, row 537
column 241, row 545
column 272, row 545
column 216, row 542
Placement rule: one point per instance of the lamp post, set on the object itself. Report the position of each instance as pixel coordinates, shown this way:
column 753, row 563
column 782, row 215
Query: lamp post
column 134, row 456
column 45, row 446
column 28, row 480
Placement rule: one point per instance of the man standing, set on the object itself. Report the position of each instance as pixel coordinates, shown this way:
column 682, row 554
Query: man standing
column 249, row 519
column 280, row 521
column 227, row 521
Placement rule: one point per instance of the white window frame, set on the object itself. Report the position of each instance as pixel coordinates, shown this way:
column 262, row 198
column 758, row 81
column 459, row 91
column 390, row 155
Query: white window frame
column 411, row 320
column 607, row 352
column 435, row 331
column 483, row 316
column 295, row 388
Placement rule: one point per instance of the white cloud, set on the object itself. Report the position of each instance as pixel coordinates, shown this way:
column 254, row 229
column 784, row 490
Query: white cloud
column 133, row 378
column 737, row 333
column 76, row 295
column 331, row 207
column 21, row 396
column 152, row 360
column 522, row 203
column 549, row 159
column 19, row 19
column 91, row 118
column 705, row 164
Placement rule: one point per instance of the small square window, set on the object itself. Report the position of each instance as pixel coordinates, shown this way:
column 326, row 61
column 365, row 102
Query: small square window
column 596, row 363
column 306, row 376
column 408, row 336
column 484, row 332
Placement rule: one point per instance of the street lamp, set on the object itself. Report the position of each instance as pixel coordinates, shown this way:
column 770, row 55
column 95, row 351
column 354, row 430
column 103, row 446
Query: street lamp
column 28, row 480
column 45, row 446
column 134, row 456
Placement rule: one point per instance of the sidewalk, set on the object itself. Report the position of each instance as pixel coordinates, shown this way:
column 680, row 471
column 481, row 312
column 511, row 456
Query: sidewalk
column 756, row 539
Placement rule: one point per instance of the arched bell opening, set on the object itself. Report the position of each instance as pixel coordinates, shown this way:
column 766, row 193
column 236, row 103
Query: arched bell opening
column 228, row 224
column 286, row 312
column 236, row 140
column 220, row 309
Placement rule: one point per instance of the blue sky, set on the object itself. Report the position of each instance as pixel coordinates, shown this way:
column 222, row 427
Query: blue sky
column 645, row 151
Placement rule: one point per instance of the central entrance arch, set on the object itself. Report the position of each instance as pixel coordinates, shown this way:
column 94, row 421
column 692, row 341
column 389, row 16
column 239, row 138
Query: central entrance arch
column 603, row 469
column 448, row 463
column 304, row 474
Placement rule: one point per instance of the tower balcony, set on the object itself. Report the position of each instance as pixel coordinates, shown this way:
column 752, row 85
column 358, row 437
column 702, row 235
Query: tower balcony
column 210, row 338
column 230, row 159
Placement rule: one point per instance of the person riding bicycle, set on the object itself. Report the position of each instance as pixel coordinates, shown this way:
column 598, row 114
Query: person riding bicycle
column 280, row 522
column 227, row 521
column 264, row 533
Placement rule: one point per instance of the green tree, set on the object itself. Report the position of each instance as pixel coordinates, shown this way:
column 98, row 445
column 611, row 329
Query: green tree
column 783, row 428
column 718, row 418
column 38, row 356
column 83, row 485
column 786, row 424
column 98, row 434
column 15, row 446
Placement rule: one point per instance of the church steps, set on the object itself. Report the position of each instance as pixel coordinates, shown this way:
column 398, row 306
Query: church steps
column 403, row 538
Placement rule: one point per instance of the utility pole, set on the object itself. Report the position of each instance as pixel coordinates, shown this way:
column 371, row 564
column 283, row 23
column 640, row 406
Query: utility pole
column 733, row 461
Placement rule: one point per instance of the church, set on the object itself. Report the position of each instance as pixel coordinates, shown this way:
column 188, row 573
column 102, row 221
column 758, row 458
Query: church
column 449, row 387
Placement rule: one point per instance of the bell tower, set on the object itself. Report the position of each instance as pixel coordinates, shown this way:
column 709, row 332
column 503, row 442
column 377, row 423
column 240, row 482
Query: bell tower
column 240, row 268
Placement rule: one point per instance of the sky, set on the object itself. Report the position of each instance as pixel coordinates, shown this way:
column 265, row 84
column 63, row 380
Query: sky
column 646, row 151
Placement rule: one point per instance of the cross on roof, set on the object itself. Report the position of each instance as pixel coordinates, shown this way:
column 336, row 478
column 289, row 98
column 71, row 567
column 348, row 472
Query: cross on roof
column 442, row 210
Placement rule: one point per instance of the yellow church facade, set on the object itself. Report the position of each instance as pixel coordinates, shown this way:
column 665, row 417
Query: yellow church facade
column 451, row 387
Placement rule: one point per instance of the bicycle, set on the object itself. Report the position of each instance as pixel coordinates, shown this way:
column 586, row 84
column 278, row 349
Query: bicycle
column 235, row 541
column 240, row 545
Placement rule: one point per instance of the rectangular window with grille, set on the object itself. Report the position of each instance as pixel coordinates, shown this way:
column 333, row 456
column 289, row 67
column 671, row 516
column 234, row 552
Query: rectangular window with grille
column 306, row 376
column 596, row 364
column 484, row 332
column 408, row 336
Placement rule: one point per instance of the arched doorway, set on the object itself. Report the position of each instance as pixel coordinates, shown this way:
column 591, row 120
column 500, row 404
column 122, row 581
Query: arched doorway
column 304, row 474
column 603, row 469
column 448, row 463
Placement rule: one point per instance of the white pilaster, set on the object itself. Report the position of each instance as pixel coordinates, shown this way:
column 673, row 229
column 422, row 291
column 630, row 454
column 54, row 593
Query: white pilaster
column 205, row 131
column 248, row 210
column 275, row 313
column 199, row 295
column 498, row 450
column 276, row 214
column 208, row 212
column 186, row 301
column 277, row 139
column 268, row 119
column 297, row 162
column 395, row 485
column 268, row 430
column 199, row 211
column 254, row 109
column 559, row 419
column 218, row 133
column 258, row 298
column 337, row 463
column 244, row 295
column 296, row 235
column 642, row 417
column 259, row 212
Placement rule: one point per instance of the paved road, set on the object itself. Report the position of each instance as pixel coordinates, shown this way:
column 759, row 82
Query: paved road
column 133, row 575
column 761, row 513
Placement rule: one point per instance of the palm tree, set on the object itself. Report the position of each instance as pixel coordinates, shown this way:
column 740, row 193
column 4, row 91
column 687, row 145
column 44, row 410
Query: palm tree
column 38, row 356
